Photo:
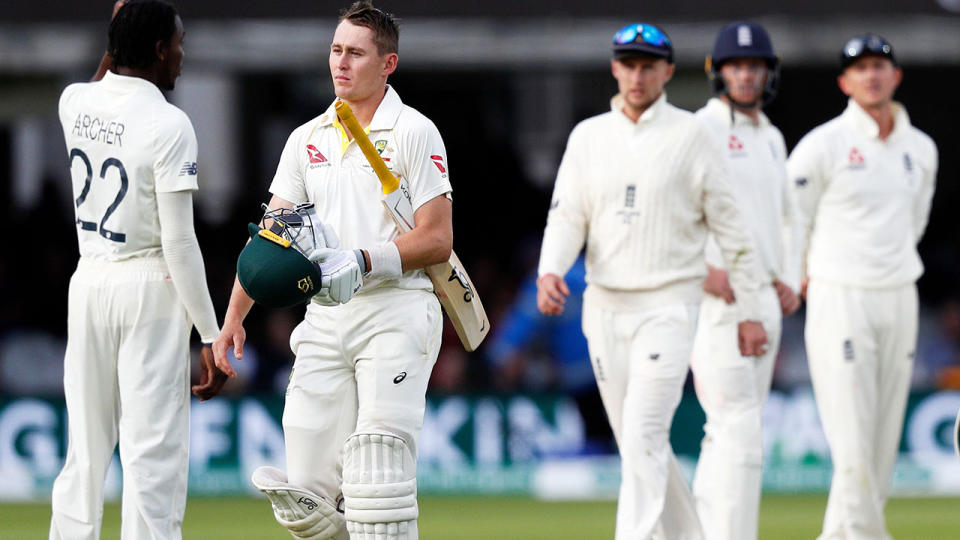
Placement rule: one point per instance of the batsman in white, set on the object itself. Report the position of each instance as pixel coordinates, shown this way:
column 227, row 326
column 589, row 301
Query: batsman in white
column 139, row 285
column 356, row 397
column 642, row 185
column 864, row 183
column 732, row 387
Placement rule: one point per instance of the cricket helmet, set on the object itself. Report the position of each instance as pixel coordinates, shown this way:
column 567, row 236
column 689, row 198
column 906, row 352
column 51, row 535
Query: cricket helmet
column 743, row 40
column 274, row 268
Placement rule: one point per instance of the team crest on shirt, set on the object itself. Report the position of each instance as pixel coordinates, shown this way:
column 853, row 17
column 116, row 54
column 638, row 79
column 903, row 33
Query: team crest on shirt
column 380, row 145
column 629, row 202
column 855, row 159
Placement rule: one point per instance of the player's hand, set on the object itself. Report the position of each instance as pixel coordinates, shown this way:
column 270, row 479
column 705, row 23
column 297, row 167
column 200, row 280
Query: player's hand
column 803, row 288
column 752, row 338
column 231, row 335
column 717, row 284
column 340, row 271
column 211, row 378
column 552, row 293
column 789, row 301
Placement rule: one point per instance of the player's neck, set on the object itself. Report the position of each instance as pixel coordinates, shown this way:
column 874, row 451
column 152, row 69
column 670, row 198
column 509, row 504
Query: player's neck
column 882, row 114
column 147, row 74
column 365, row 108
column 752, row 112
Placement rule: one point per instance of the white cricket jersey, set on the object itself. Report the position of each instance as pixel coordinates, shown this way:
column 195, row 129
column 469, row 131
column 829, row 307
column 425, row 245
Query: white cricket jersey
column 864, row 200
column 643, row 196
column 320, row 165
column 756, row 157
column 125, row 144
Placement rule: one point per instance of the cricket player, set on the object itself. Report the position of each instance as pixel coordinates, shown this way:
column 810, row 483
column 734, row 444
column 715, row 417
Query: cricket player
column 356, row 397
column 864, row 183
column 642, row 185
column 139, row 286
column 731, row 387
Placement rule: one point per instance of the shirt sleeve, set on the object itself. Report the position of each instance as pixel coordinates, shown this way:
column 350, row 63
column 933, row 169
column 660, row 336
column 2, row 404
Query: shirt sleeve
column 288, row 181
column 567, row 220
column 727, row 227
column 805, row 173
column 185, row 262
column 176, row 166
column 925, row 196
column 792, row 234
column 423, row 162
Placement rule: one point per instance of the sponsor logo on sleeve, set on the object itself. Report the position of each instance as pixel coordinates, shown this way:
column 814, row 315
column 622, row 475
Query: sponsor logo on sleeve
column 438, row 161
column 801, row 182
column 189, row 169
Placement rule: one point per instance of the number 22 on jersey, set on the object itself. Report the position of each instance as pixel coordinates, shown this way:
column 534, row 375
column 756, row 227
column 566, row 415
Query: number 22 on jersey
column 88, row 185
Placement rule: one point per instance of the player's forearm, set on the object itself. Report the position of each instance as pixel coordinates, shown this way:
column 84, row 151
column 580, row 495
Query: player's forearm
column 424, row 247
column 105, row 63
column 239, row 307
column 185, row 262
column 562, row 243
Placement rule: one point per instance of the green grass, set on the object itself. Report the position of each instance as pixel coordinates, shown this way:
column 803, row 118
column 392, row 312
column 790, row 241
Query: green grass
column 783, row 517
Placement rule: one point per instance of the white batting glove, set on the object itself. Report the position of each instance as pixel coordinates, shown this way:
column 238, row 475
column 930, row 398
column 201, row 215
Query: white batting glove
column 341, row 273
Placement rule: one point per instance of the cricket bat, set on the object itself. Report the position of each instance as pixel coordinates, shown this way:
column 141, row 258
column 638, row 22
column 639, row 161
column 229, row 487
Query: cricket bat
column 451, row 283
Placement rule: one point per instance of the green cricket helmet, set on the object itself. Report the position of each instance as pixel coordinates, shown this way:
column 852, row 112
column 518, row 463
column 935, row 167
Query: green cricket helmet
column 273, row 267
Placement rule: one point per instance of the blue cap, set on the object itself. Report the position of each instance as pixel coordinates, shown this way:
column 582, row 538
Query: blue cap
column 865, row 45
column 641, row 39
column 742, row 40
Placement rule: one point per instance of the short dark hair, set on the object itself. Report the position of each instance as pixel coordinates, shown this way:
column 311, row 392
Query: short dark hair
column 386, row 33
column 136, row 28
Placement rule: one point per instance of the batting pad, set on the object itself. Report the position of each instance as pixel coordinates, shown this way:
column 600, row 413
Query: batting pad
column 306, row 515
column 379, row 487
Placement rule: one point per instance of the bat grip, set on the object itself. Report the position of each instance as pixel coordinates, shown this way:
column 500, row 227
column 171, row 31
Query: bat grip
column 387, row 180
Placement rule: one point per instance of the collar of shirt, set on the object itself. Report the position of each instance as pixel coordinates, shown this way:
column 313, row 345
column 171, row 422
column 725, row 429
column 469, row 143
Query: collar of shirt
column 123, row 83
column 649, row 115
column 384, row 118
column 861, row 120
column 720, row 109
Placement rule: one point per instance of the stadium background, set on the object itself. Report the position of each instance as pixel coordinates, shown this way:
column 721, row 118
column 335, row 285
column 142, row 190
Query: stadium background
column 505, row 82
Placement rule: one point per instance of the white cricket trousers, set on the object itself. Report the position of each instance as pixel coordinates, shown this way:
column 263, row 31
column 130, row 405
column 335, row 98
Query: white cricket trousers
column 640, row 358
column 360, row 366
column 860, row 345
column 126, row 378
column 732, row 389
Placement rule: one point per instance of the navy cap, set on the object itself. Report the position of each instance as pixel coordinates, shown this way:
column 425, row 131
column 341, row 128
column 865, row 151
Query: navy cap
column 865, row 45
column 641, row 39
column 742, row 40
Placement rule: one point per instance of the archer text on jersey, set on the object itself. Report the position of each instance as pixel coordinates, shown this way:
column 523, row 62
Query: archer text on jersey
column 95, row 129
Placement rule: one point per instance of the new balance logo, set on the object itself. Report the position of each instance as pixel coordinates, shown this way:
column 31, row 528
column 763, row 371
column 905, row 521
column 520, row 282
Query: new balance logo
column 189, row 169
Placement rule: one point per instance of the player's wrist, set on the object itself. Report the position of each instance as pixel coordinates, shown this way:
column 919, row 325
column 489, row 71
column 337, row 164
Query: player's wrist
column 384, row 262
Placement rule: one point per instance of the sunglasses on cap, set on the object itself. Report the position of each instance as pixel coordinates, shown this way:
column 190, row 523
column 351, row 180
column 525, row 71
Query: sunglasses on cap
column 639, row 32
column 867, row 44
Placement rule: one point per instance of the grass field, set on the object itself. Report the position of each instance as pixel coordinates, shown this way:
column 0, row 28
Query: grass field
column 501, row 518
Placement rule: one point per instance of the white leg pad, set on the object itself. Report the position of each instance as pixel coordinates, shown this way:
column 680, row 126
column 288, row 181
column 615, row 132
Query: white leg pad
column 306, row 515
column 379, row 487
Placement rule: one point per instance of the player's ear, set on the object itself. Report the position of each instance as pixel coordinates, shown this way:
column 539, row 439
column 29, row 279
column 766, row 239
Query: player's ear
column 160, row 50
column 390, row 63
column 842, row 83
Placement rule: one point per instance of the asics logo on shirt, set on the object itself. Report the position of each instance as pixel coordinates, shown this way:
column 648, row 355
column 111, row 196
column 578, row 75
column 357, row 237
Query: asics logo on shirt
column 399, row 378
column 189, row 169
